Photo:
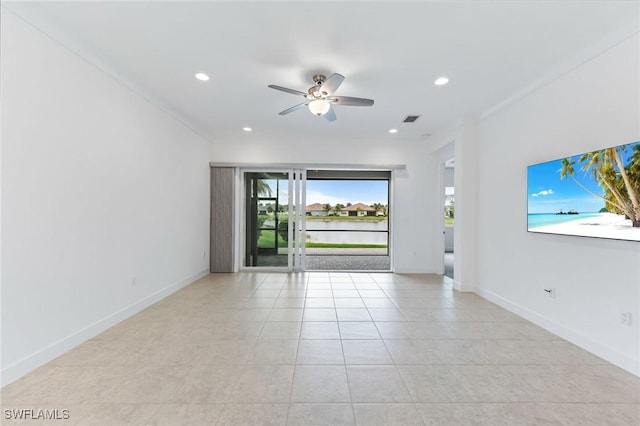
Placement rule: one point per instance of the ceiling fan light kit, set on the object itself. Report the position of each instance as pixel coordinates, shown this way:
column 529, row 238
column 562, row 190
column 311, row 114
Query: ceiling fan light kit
column 320, row 97
column 319, row 107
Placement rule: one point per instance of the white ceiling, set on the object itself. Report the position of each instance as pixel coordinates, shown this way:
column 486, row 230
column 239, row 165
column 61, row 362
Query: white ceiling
column 388, row 51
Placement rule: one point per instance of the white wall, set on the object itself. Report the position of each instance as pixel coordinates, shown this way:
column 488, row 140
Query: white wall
column 593, row 106
column 98, row 187
column 413, row 188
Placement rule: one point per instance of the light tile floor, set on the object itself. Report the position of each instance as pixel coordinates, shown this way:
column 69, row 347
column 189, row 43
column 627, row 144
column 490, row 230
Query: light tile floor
column 327, row 349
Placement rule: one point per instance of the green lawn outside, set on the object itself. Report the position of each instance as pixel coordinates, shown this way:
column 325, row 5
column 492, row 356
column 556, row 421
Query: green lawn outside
column 267, row 240
column 345, row 245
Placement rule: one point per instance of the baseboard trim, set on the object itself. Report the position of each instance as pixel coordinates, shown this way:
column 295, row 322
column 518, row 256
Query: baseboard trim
column 611, row 355
column 42, row 356
column 415, row 271
column 457, row 285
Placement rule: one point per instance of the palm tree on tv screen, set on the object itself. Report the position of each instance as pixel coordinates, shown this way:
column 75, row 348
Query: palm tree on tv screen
column 620, row 183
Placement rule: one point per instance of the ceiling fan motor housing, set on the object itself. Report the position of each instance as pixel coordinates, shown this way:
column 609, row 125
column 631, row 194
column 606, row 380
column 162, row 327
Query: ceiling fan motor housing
column 319, row 79
column 314, row 91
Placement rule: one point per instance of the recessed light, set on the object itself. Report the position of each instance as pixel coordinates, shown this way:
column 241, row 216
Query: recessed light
column 202, row 76
column 441, row 81
column 393, row 130
column 247, row 129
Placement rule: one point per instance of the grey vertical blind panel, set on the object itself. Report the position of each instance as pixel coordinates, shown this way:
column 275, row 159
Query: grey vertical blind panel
column 222, row 179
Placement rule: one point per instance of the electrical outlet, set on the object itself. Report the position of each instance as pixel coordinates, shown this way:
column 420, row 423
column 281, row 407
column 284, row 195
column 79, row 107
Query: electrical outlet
column 625, row 318
column 133, row 281
column 551, row 292
column 204, row 254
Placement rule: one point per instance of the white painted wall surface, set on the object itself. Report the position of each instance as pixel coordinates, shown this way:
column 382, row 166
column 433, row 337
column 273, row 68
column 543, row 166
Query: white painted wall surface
column 414, row 188
column 98, row 187
column 593, row 106
column 465, row 237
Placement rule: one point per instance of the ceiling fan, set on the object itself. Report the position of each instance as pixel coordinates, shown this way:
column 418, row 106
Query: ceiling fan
column 319, row 97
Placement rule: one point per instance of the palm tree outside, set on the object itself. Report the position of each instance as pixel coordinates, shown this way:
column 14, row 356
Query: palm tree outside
column 263, row 188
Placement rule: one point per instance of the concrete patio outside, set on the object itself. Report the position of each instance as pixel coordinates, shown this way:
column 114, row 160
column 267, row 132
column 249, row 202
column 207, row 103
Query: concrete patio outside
column 354, row 259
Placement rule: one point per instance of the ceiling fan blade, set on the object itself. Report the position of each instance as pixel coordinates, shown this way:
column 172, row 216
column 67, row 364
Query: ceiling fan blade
column 330, row 115
column 332, row 83
column 350, row 101
column 287, row 90
column 294, row 108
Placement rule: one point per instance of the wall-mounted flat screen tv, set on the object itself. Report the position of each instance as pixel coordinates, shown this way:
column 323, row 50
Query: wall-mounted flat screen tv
column 594, row 194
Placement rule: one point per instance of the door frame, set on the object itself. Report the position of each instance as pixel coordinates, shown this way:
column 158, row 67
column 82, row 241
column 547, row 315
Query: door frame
column 239, row 207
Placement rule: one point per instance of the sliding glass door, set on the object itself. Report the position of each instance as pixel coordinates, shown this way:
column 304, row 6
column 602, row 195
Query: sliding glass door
column 274, row 219
column 340, row 224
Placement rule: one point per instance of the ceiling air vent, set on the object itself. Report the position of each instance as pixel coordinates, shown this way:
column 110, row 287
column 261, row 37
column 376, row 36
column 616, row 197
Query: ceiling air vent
column 410, row 118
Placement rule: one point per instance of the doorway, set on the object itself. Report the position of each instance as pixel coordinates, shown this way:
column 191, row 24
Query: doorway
column 348, row 221
column 449, row 216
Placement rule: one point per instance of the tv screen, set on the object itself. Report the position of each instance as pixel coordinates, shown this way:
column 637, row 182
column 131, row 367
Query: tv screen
column 594, row 194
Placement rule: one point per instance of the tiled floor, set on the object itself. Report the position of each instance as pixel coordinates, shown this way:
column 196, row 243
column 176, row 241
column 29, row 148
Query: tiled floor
column 327, row 349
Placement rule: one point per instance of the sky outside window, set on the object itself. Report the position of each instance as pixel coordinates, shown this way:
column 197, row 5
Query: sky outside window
column 347, row 191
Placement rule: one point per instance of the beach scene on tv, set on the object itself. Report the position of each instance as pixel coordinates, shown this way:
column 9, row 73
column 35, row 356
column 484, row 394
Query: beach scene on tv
column 595, row 194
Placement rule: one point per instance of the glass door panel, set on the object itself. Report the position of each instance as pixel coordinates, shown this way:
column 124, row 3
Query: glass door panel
column 267, row 235
column 274, row 218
